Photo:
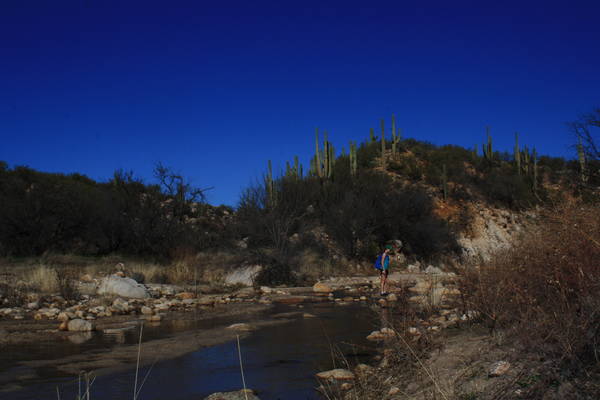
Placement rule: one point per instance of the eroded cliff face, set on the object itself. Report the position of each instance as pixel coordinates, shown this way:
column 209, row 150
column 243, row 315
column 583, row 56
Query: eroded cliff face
column 491, row 230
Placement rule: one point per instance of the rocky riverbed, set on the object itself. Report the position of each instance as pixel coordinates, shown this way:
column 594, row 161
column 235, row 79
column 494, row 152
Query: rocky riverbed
column 106, row 310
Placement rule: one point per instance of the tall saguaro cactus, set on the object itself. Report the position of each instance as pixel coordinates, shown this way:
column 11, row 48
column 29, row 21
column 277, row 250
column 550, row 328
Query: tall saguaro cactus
column 526, row 160
column 353, row 159
column 270, row 186
column 488, row 151
column 382, row 144
column 517, row 154
column 318, row 171
column 393, row 135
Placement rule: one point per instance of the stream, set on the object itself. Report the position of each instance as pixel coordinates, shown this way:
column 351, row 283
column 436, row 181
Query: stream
column 279, row 361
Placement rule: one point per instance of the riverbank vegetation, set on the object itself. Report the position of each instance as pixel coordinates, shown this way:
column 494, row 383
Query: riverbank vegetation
column 335, row 214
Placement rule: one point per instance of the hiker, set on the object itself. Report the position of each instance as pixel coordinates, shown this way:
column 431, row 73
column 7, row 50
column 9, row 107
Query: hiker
column 383, row 265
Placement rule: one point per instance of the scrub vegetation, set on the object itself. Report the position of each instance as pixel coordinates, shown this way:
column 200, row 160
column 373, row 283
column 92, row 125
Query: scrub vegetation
column 338, row 211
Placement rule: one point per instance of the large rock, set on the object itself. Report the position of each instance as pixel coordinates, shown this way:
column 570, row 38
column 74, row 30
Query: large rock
column 124, row 287
column 239, row 395
column 80, row 325
column 243, row 276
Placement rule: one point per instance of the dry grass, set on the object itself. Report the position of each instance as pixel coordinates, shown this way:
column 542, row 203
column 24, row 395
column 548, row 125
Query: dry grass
column 40, row 274
column 545, row 294
column 42, row 278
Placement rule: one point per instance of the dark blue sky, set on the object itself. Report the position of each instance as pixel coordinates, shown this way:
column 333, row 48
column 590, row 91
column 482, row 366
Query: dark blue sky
column 214, row 91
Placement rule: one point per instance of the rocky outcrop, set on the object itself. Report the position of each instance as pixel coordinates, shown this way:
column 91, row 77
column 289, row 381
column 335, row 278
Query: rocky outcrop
column 125, row 287
column 492, row 230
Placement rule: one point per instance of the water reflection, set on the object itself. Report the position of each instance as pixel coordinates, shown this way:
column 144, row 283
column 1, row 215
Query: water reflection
column 279, row 361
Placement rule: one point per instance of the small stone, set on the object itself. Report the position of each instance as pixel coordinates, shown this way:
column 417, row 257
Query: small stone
column 185, row 295
column 391, row 297
column 388, row 331
column 499, row 368
column 393, row 390
column 336, row 374
column 64, row 326
column 346, row 386
column 146, row 310
column 266, row 290
column 414, row 331
column 321, row 288
column 155, row 318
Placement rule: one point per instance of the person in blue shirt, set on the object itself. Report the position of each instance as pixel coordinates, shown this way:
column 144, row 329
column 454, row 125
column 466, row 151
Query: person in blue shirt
column 384, row 261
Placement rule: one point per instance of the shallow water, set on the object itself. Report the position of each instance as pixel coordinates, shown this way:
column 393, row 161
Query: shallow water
column 279, row 362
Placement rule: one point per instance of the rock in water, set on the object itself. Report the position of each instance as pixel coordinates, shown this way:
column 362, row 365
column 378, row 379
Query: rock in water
column 241, row 327
column 80, row 325
column 124, row 287
column 239, row 395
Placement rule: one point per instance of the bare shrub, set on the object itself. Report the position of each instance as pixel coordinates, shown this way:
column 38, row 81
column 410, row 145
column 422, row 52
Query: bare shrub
column 546, row 290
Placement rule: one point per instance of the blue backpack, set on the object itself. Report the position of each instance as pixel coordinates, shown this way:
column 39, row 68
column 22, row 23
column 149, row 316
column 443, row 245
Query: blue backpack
column 377, row 264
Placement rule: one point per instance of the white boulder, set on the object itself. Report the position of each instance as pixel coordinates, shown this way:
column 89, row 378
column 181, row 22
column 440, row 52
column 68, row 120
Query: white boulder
column 124, row 287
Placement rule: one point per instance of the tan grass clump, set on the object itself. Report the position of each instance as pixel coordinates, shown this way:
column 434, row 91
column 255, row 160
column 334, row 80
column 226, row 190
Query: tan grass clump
column 43, row 278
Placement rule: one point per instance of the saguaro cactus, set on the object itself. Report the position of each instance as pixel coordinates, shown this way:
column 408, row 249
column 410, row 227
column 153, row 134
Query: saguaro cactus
column 270, row 186
column 317, row 157
column 488, row 151
column 393, row 135
column 517, row 154
column 526, row 160
column 297, row 168
column 353, row 159
column 382, row 144
column 372, row 135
